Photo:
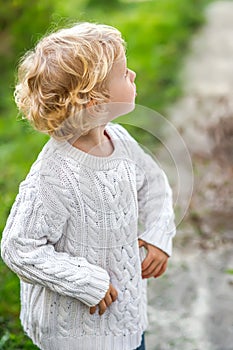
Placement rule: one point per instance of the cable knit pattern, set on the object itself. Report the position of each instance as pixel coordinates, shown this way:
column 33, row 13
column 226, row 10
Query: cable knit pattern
column 74, row 228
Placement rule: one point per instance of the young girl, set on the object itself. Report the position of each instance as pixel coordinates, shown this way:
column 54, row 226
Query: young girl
column 72, row 235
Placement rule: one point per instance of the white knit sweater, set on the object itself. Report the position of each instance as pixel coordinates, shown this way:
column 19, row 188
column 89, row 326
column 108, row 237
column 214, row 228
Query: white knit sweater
column 74, row 228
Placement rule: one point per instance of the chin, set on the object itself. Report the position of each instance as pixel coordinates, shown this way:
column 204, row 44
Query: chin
column 117, row 109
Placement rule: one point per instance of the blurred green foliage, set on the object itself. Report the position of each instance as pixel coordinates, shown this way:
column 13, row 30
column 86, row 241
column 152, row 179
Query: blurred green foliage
column 157, row 33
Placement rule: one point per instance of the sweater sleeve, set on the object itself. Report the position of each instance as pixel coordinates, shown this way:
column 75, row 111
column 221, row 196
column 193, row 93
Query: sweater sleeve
column 28, row 247
column 155, row 204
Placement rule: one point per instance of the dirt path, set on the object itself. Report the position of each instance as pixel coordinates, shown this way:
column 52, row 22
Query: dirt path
column 191, row 307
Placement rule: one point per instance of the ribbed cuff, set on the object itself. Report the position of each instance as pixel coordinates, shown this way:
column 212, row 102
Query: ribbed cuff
column 160, row 239
column 96, row 287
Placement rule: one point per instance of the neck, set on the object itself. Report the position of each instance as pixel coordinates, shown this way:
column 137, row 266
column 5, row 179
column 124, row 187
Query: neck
column 95, row 142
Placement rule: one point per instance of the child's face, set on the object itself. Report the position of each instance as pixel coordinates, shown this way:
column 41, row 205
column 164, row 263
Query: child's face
column 121, row 83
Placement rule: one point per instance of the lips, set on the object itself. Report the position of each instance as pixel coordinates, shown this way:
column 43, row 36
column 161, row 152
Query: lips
column 135, row 90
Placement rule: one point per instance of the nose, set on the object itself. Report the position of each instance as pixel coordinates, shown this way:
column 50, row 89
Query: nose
column 132, row 75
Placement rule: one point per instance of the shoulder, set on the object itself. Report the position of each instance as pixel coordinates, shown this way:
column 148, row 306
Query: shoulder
column 119, row 131
column 46, row 173
column 143, row 158
column 123, row 137
column 43, row 163
column 123, row 140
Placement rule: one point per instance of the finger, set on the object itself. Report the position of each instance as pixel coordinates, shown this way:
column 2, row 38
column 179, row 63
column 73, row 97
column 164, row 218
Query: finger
column 149, row 259
column 158, row 271
column 152, row 270
column 102, row 307
column 141, row 243
column 114, row 294
column 108, row 299
column 162, row 270
column 92, row 310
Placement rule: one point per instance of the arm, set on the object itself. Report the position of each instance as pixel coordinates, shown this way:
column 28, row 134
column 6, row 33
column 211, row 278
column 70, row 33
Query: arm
column 156, row 215
column 155, row 208
column 155, row 204
column 27, row 247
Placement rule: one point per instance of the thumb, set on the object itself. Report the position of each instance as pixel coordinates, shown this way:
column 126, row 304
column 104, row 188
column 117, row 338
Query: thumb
column 141, row 243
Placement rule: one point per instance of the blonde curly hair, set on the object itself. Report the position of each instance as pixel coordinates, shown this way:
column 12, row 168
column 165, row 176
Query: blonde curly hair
column 65, row 74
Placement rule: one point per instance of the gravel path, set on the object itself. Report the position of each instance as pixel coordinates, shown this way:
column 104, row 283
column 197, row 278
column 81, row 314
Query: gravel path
column 191, row 306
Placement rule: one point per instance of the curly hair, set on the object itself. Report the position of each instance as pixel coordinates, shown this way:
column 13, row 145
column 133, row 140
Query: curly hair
column 65, row 74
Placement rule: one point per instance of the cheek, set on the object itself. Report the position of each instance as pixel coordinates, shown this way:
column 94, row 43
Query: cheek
column 112, row 90
column 117, row 93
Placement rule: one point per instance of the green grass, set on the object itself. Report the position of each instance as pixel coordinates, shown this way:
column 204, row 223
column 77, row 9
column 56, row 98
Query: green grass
column 157, row 33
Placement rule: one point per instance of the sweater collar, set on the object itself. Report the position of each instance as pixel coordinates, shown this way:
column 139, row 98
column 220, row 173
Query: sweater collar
column 67, row 150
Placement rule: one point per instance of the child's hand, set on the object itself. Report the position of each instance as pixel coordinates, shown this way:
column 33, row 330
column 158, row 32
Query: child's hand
column 109, row 298
column 155, row 262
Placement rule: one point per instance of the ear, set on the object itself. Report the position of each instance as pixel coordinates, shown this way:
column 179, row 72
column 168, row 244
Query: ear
column 90, row 107
column 91, row 103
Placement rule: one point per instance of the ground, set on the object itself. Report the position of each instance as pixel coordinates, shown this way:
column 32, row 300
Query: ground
column 190, row 307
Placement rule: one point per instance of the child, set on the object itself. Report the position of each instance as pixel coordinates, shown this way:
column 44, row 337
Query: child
column 72, row 235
